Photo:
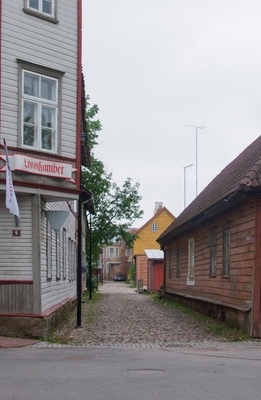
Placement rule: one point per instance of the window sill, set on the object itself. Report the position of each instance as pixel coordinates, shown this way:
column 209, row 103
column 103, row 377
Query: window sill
column 190, row 280
column 41, row 15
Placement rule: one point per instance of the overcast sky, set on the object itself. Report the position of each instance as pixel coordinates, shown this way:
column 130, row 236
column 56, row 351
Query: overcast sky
column 156, row 67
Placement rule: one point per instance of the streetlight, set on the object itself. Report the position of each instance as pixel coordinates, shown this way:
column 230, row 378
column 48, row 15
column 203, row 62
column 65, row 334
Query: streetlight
column 196, row 127
column 185, row 168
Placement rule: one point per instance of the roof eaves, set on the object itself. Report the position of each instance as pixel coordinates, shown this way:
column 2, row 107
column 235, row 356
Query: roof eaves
column 217, row 208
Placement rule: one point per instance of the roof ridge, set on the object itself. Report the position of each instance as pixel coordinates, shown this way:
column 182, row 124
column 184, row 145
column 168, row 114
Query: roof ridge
column 252, row 177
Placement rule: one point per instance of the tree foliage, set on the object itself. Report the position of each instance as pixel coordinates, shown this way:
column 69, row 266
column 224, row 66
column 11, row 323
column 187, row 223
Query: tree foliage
column 116, row 207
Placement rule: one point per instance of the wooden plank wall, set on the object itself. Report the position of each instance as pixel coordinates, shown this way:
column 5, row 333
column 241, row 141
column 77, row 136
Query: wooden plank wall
column 235, row 289
column 16, row 298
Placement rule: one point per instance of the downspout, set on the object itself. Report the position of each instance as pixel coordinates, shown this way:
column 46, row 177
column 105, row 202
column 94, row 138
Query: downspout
column 78, row 163
column 0, row 67
column 79, row 96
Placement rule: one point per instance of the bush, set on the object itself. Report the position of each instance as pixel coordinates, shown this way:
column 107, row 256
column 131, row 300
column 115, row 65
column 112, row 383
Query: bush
column 94, row 283
column 132, row 273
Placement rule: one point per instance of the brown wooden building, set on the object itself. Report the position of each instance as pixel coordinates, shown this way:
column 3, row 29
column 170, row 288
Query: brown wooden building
column 212, row 251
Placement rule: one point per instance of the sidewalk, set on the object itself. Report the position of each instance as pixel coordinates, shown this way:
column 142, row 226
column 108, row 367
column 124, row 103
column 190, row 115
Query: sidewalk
column 10, row 342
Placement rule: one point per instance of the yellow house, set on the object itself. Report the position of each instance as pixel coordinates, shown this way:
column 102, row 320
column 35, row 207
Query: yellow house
column 148, row 235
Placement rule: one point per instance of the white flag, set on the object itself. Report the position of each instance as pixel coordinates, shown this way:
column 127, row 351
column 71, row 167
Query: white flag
column 10, row 199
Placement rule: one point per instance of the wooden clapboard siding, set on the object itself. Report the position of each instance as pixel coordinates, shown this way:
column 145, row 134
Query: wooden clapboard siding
column 16, row 252
column 16, row 298
column 237, row 290
column 55, row 290
column 146, row 237
column 52, row 46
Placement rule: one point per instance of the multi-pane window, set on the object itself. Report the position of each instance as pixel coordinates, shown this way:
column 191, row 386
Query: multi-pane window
column 226, row 252
column 70, row 259
column 213, row 254
column 42, row 6
column 73, row 260
column 64, row 254
column 49, row 251
column 113, row 252
column 58, row 258
column 178, row 261
column 154, row 227
column 39, row 111
column 191, row 257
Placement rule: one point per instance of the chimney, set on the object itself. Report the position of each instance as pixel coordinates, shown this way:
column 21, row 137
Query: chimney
column 158, row 206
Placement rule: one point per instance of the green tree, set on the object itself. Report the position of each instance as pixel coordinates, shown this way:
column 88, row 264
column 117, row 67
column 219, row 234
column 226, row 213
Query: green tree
column 116, row 207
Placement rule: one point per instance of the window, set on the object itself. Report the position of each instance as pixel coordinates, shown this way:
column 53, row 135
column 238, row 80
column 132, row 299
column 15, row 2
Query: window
column 43, row 8
column 191, row 258
column 111, row 252
column 73, row 260
column 154, row 228
column 170, row 263
column 178, row 261
column 63, row 263
column 49, row 251
column 226, row 252
column 117, row 252
column 213, row 254
column 40, row 111
column 70, row 259
column 58, row 258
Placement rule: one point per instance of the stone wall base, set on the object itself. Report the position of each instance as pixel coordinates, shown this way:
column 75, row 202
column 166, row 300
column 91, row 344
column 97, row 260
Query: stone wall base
column 34, row 326
column 232, row 317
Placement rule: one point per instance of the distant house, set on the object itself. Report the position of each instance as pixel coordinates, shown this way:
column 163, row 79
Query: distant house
column 213, row 249
column 116, row 258
column 147, row 239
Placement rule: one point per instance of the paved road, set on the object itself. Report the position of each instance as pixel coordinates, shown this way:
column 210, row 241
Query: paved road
column 132, row 348
column 123, row 318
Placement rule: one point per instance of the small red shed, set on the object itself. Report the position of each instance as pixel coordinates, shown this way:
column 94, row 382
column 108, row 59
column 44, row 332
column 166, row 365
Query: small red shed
column 155, row 263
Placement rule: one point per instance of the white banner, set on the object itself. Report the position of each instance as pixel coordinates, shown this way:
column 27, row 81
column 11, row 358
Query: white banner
column 10, row 199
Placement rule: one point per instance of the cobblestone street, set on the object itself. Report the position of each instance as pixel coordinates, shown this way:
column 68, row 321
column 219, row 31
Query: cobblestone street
column 123, row 318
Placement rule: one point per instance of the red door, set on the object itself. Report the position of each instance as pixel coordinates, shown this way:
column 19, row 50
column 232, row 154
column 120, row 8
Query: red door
column 157, row 275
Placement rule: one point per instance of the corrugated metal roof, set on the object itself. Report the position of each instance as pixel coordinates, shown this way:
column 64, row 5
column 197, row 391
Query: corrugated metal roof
column 154, row 254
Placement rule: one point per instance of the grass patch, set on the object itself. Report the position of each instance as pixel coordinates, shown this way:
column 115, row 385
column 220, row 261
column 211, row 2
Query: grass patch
column 60, row 334
column 213, row 326
column 91, row 313
column 130, row 283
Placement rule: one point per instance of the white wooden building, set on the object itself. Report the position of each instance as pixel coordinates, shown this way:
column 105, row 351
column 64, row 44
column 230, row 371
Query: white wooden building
column 41, row 102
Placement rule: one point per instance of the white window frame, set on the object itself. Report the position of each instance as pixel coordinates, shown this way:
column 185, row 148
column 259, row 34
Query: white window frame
column 191, row 258
column 73, row 261
column 39, row 10
column 64, row 253
column 37, row 105
column 111, row 252
column 154, row 227
column 70, row 259
column 49, row 250
column 35, row 99
column 58, row 255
